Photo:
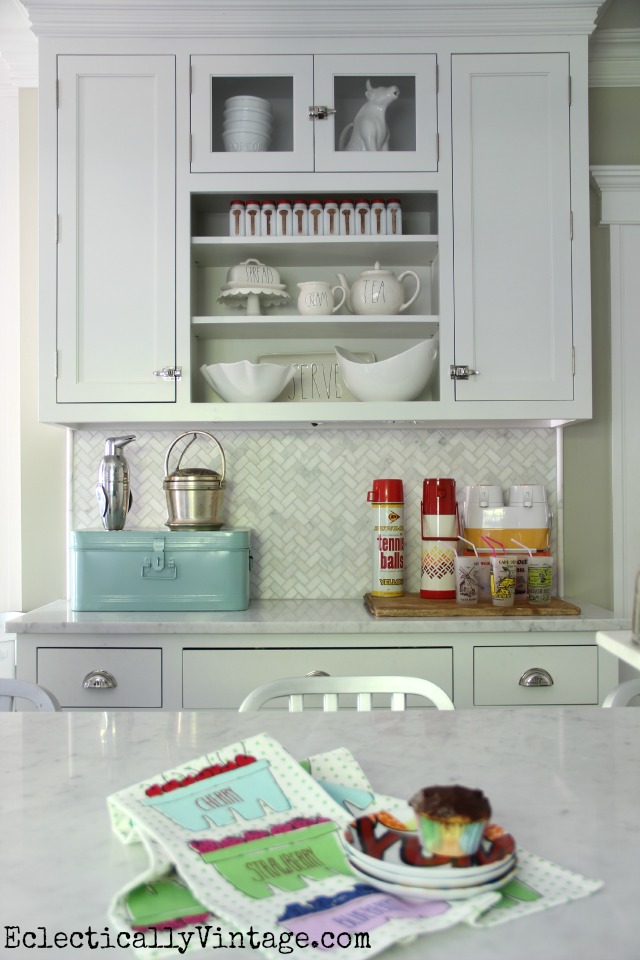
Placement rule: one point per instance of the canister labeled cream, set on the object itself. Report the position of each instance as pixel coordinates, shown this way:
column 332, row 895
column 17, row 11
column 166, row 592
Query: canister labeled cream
column 387, row 538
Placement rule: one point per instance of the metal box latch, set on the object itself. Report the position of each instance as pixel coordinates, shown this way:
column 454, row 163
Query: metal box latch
column 159, row 566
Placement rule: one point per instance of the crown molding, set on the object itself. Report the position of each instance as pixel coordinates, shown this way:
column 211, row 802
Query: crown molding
column 295, row 18
column 614, row 58
column 619, row 186
column 18, row 47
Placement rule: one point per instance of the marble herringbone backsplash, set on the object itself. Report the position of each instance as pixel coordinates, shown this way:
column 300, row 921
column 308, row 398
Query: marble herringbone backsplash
column 303, row 494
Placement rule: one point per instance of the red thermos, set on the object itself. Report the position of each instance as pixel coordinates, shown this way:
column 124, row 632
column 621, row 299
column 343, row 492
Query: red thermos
column 439, row 520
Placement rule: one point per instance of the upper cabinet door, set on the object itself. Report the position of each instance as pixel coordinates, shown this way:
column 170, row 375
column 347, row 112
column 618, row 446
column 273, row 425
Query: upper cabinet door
column 251, row 114
column 512, row 226
column 385, row 115
column 256, row 114
column 116, row 245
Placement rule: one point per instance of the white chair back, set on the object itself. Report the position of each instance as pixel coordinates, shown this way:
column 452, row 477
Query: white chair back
column 623, row 694
column 330, row 688
column 41, row 698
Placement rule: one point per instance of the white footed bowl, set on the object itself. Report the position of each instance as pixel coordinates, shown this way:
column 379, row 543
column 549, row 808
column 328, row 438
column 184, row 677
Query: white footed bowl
column 402, row 377
column 247, row 382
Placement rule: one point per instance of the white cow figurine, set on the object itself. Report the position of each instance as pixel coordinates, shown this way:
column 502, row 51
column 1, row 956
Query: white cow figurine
column 369, row 130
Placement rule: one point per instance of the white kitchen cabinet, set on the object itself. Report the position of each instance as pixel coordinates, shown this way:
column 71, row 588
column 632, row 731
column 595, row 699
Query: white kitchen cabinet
column 336, row 86
column 223, row 678
column 512, row 222
column 488, row 156
column 115, row 316
column 96, row 677
column 212, row 660
column 524, row 676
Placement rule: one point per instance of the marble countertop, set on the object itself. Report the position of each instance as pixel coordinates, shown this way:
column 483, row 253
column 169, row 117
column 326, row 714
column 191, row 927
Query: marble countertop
column 564, row 781
column 299, row 617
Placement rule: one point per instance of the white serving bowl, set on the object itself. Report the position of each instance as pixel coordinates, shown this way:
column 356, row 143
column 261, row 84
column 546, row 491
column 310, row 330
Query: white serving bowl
column 239, row 113
column 402, row 377
column 245, row 141
column 249, row 103
column 246, row 126
column 247, row 382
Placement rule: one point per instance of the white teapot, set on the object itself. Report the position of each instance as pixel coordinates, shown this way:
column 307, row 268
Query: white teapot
column 379, row 291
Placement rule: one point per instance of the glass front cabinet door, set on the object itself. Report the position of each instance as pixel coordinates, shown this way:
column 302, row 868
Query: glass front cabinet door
column 314, row 113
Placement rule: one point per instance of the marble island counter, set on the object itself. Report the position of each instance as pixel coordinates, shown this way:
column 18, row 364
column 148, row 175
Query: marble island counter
column 201, row 660
column 281, row 617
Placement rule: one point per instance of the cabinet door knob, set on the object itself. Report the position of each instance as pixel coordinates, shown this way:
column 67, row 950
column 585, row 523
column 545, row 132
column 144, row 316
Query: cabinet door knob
column 536, row 677
column 99, row 680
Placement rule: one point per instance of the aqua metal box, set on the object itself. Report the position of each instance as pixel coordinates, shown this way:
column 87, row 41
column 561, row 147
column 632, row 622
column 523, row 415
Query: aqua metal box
column 159, row 570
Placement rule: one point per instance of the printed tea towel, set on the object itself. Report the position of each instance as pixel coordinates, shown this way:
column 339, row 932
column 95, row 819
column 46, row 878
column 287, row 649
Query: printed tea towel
column 245, row 843
column 245, row 848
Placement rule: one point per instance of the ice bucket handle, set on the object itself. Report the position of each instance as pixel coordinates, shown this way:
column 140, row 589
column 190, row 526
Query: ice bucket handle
column 193, row 434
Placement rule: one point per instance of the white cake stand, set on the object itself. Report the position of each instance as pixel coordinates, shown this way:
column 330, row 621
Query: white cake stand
column 254, row 297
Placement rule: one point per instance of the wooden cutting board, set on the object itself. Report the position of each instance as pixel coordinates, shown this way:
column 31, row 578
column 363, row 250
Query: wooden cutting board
column 413, row 605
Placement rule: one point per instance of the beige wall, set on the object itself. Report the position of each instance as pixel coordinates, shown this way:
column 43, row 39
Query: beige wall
column 43, row 459
column 614, row 138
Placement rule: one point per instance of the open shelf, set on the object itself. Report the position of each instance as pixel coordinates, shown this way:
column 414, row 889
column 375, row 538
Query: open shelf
column 301, row 328
column 325, row 251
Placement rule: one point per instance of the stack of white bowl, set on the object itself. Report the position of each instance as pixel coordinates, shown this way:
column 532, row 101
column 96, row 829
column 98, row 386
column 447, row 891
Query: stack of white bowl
column 247, row 124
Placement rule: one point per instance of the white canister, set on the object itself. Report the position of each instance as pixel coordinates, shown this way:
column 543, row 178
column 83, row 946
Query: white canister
column 236, row 218
column 363, row 217
column 438, row 571
column 331, row 218
column 394, row 216
column 347, row 218
column 252, row 218
column 268, row 218
column 283, row 219
column 378, row 216
column 315, row 219
column 299, row 218
column 387, row 535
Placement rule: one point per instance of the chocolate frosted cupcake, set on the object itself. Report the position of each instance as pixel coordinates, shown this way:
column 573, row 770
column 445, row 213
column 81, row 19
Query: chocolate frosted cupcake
column 451, row 819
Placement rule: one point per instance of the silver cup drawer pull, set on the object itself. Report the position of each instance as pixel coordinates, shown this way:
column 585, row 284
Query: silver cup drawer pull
column 99, row 680
column 536, row 677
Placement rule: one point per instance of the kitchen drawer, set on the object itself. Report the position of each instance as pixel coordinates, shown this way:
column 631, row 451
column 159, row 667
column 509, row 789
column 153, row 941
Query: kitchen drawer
column 223, row 678
column 497, row 672
column 138, row 674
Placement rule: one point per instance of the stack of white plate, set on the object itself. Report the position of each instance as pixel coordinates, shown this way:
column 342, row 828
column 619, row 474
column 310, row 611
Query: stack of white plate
column 247, row 124
column 391, row 860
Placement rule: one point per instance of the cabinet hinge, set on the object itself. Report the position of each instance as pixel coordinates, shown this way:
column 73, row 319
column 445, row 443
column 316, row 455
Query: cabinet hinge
column 57, row 228
column 437, row 148
column 190, row 79
column 56, row 363
column 573, row 361
column 57, row 94
column 437, row 79
column 571, row 225
column 190, row 147
column 569, row 89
